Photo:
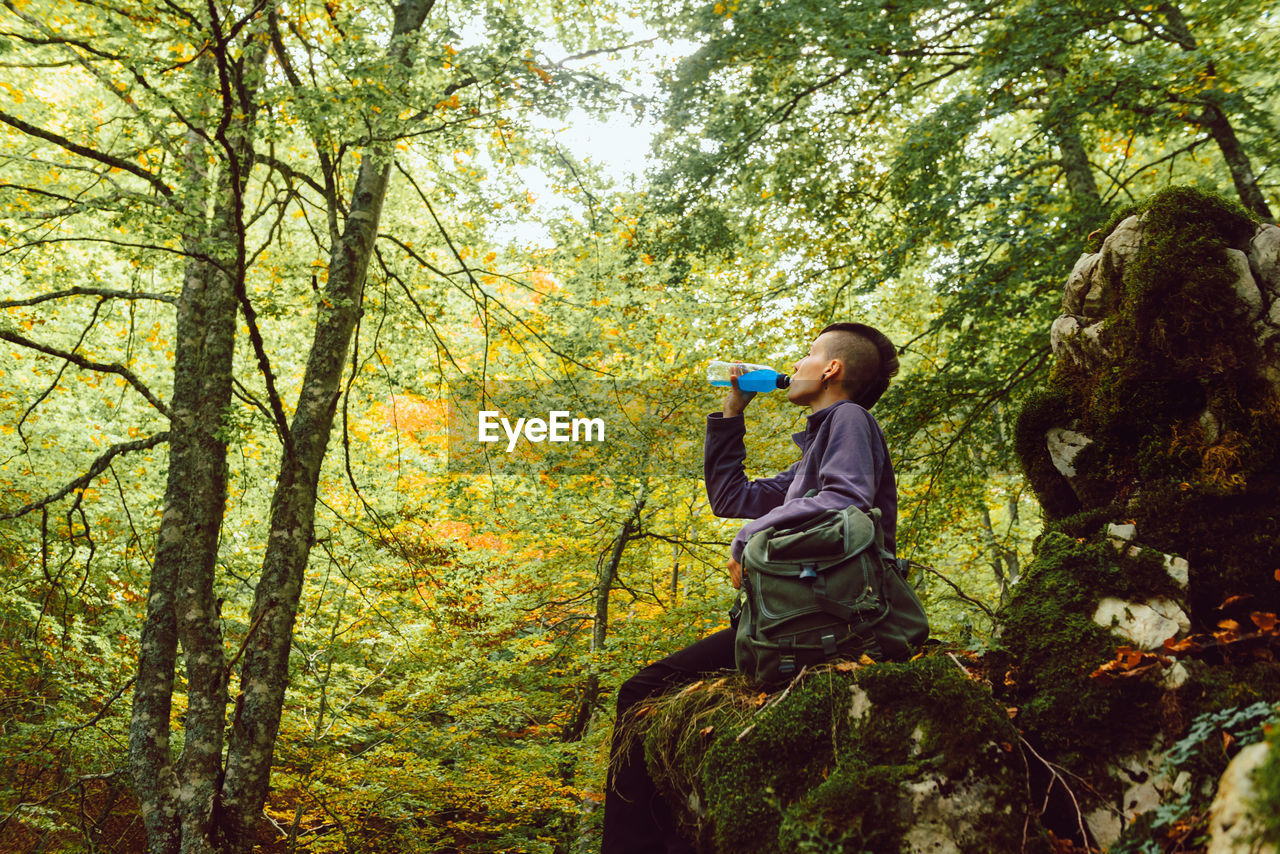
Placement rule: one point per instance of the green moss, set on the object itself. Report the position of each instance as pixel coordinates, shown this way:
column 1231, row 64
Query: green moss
column 854, row 809
column 749, row 781
column 1054, row 645
column 1087, row 523
column 1179, row 342
column 1266, row 802
column 809, row 775
column 1042, row 411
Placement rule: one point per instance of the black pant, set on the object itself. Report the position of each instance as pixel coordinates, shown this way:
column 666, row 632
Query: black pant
column 636, row 818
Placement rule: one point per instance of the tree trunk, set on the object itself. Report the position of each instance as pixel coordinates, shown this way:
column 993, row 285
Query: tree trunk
column 1063, row 123
column 600, row 627
column 264, row 673
column 994, row 552
column 1237, row 161
column 1216, row 121
column 177, row 803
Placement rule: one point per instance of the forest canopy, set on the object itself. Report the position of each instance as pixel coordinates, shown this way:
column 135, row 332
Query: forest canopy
column 263, row 266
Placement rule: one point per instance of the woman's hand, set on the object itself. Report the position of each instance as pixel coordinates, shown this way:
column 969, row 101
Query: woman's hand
column 735, row 399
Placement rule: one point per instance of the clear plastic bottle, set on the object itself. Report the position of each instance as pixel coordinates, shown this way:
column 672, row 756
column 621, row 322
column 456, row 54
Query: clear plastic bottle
column 756, row 378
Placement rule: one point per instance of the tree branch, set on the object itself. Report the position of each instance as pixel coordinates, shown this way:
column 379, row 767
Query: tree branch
column 106, row 293
column 98, row 467
column 959, row 593
column 84, row 151
column 88, row 364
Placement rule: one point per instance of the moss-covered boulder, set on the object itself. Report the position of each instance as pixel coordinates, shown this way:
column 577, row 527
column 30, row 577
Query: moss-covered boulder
column 1137, row 654
column 913, row 757
column 1148, row 605
column 1162, row 407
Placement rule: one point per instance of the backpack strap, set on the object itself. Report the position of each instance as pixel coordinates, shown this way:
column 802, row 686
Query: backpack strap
column 879, row 644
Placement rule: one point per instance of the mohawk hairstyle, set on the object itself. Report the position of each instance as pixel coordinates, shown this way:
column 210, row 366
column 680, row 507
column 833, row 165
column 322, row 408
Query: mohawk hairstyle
column 870, row 360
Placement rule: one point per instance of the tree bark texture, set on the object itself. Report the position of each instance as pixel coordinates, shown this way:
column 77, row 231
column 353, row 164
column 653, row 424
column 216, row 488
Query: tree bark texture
column 1063, row 123
column 264, row 672
column 177, row 800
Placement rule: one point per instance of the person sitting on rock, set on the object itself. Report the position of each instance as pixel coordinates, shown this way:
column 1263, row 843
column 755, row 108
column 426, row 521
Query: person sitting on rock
column 844, row 461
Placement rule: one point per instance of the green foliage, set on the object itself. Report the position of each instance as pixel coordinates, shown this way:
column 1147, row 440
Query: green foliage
column 1201, row 755
column 1267, row 795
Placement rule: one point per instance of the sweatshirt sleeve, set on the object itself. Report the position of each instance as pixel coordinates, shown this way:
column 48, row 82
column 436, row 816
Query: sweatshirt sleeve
column 729, row 490
column 852, row 461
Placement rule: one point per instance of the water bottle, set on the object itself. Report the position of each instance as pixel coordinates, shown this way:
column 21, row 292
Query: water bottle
column 756, row 378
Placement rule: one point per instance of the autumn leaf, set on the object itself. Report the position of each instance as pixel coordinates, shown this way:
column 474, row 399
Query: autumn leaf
column 1265, row 621
column 1129, row 662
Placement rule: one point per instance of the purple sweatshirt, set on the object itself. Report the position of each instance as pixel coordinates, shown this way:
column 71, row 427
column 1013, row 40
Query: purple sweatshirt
column 843, row 455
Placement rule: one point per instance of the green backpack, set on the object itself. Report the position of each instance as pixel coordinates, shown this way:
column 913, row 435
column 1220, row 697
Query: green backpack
column 822, row 590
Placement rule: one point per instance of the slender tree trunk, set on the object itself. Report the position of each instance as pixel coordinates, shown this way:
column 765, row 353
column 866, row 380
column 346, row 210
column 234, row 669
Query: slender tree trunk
column 264, row 673
column 995, row 553
column 177, row 802
column 600, row 625
column 1216, row 121
column 1237, row 161
column 1063, row 123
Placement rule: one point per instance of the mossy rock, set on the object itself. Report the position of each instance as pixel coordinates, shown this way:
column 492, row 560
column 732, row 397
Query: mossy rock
column 881, row 758
column 1176, row 394
column 1051, row 645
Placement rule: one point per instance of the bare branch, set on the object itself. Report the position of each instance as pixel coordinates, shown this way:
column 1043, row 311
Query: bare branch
column 960, row 594
column 98, row 467
column 598, row 51
column 84, row 151
column 88, row 364
column 106, row 293
column 289, row 172
column 106, row 707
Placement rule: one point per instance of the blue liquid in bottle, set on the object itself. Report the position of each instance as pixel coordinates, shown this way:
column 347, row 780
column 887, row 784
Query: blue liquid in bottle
column 757, row 377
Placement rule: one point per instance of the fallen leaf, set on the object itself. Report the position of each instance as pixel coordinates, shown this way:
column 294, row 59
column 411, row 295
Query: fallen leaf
column 866, row 659
column 690, row 688
column 1129, row 662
